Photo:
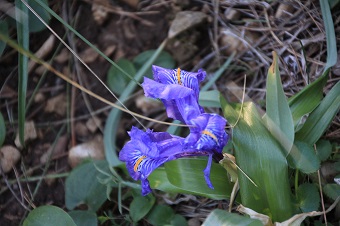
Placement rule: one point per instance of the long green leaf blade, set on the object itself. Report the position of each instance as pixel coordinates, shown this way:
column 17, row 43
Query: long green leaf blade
column 21, row 14
column 319, row 120
column 263, row 160
column 279, row 117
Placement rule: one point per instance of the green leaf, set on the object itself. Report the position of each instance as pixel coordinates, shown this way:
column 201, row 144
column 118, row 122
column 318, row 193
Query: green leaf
column 163, row 60
column 332, row 190
column 160, row 215
column 221, row 217
column 179, row 220
column 116, row 79
column 279, row 117
column 308, row 197
column 82, row 186
column 84, row 217
column 210, row 98
column 35, row 24
column 303, row 157
column 2, row 130
column 187, row 174
column 261, row 158
column 21, row 13
column 140, row 207
column 48, row 216
column 4, row 31
column 159, row 180
column 323, row 149
column 319, row 120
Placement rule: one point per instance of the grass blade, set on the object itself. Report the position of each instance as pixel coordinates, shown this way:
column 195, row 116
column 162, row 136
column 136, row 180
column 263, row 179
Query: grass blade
column 21, row 14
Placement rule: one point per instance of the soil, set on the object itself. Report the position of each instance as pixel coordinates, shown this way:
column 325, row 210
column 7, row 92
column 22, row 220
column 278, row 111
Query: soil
column 128, row 29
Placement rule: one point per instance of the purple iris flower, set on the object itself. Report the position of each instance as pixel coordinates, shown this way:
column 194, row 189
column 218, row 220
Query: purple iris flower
column 207, row 134
column 179, row 77
column 179, row 101
column 148, row 150
column 178, row 90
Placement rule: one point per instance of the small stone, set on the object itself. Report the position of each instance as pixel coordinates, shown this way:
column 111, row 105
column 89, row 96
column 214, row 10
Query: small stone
column 30, row 133
column 39, row 98
column 81, row 129
column 147, row 104
column 93, row 124
column 93, row 149
column 57, row 105
column 9, row 156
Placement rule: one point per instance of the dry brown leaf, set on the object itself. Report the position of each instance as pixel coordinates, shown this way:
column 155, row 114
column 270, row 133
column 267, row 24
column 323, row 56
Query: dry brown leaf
column 89, row 55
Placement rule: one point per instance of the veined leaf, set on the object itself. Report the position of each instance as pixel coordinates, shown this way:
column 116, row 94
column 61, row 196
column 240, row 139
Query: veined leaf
column 140, row 206
column 48, row 216
column 84, row 217
column 263, row 160
column 187, row 174
column 279, row 117
column 303, row 157
column 319, row 120
column 83, row 186
column 308, row 197
column 221, row 217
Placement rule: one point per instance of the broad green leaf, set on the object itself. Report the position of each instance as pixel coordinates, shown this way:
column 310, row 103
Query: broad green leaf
column 210, row 99
column 261, row 158
column 224, row 218
column 308, row 197
column 160, row 215
column 319, row 120
column 35, row 24
column 159, row 180
column 83, row 186
column 332, row 190
column 4, row 31
column 116, row 80
column 303, row 157
column 179, row 220
column 323, row 149
column 84, row 217
column 163, row 60
column 279, row 117
column 140, row 206
column 187, row 174
column 2, row 130
column 48, row 216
